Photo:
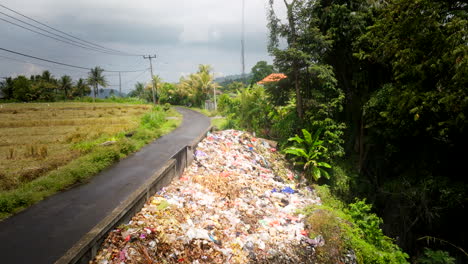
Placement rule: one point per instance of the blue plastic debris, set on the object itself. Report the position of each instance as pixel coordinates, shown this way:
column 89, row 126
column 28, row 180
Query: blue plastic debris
column 288, row 190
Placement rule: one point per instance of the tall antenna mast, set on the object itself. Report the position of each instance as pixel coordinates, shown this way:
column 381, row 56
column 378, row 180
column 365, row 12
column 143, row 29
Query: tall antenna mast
column 243, row 41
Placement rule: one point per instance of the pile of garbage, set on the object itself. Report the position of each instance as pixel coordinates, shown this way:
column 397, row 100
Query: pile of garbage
column 237, row 203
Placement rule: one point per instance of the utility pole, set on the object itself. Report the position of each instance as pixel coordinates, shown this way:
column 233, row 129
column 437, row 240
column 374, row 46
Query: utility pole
column 152, row 80
column 120, row 85
column 243, row 41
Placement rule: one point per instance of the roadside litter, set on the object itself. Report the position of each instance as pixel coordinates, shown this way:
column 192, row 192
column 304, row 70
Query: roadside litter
column 237, row 203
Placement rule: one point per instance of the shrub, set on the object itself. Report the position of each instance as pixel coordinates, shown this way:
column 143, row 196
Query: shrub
column 350, row 228
column 308, row 152
column 126, row 146
column 436, row 257
column 166, row 107
column 154, row 119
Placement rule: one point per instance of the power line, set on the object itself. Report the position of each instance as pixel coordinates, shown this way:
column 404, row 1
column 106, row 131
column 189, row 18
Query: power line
column 67, row 40
column 78, row 74
column 56, row 62
column 139, row 75
column 39, row 64
column 243, row 40
column 64, row 41
column 69, row 35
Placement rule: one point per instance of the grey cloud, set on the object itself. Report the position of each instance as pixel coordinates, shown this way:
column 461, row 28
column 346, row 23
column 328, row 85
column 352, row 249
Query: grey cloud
column 126, row 33
column 184, row 33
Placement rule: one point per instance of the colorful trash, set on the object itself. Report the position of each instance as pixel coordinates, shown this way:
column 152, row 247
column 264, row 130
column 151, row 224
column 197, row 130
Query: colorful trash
column 237, row 203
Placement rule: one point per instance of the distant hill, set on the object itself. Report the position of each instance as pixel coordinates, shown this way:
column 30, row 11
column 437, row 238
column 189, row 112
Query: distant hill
column 232, row 78
column 106, row 93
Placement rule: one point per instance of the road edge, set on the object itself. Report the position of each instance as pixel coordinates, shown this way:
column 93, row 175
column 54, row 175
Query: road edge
column 87, row 247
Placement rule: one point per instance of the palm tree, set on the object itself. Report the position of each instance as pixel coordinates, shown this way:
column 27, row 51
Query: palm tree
column 205, row 82
column 157, row 82
column 95, row 78
column 81, row 88
column 65, row 84
column 139, row 90
column 47, row 76
column 188, row 86
column 204, row 68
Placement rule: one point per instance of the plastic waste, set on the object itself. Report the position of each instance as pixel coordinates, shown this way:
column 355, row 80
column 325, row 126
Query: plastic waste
column 234, row 204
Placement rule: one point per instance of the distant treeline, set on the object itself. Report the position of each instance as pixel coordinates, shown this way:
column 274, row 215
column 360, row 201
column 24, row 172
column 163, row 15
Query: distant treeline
column 45, row 87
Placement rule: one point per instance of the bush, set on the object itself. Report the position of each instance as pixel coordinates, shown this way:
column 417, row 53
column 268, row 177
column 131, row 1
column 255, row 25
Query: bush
column 166, row 107
column 154, row 119
column 126, row 146
column 249, row 110
column 436, row 257
column 350, row 228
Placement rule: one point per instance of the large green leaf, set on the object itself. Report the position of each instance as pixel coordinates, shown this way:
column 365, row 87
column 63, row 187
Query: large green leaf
column 324, row 164
column 316, row 173
column 317, row 135
column 296, row 138
column 296, row 151
column 307, row 136
column 325, row 173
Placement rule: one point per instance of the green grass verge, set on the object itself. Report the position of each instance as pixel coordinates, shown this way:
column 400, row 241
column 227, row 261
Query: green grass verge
column 203, row 111
column 112, row 99
column 95, row 158
column 221, row 123
column 349, row 228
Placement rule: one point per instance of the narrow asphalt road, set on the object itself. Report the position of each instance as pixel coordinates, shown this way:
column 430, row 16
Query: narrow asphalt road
column 44, row 232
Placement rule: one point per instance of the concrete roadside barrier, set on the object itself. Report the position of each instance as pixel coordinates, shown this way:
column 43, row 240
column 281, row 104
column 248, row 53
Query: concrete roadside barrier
column 87, row 247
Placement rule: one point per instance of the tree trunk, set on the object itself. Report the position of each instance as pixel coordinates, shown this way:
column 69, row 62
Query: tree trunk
column 94, row 94
column 298, row 93
column 361, row 145
column 292, row 44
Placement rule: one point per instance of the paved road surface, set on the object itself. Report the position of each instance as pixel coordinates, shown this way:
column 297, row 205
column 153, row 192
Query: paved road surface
column 46, row 230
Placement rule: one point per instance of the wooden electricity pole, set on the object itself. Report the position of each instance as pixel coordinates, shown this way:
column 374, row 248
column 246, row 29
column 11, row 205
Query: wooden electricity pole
column 243, row 41
column 152, row 80
column 120, row 85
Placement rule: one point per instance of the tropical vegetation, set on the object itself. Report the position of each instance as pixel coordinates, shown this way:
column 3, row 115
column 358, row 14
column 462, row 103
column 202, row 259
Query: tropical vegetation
column 386, row 82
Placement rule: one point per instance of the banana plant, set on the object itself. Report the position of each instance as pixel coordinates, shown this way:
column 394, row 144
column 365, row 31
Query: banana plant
column 307, row 152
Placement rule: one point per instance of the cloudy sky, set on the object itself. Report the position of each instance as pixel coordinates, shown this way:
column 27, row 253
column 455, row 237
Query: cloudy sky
column 182, row 33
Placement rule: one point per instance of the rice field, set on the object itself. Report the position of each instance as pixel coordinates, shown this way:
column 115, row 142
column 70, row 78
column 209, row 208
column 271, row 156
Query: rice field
column 36, row 138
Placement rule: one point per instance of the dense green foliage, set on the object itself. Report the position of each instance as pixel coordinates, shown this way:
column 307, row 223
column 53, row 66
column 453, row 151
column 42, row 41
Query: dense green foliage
column 308, row 152
column 43, row 87
column 261, row 70
column 250, row 109
column 96, row 79
column 350, row 229
column 387, row 82
column 436, row 257
column 191, row 90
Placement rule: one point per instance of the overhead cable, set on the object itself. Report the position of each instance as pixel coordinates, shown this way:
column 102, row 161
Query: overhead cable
column 59, row 63
column 64, row 41
column 69, row 35
column 42, row 65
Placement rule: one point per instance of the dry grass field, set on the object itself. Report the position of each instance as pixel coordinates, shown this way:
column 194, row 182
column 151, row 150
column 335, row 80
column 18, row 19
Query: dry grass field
column 36, row 138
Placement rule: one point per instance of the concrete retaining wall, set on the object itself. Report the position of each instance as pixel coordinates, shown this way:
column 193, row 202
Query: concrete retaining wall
column 87, row 247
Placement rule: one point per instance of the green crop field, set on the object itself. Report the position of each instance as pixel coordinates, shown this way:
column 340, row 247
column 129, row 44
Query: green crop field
column 36, row 138
column 46, row 147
